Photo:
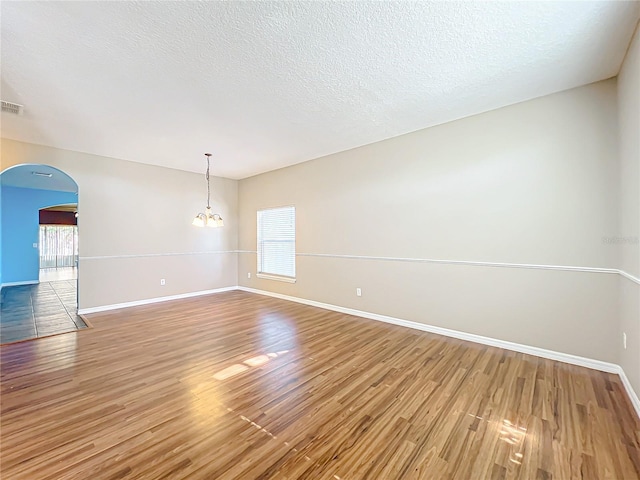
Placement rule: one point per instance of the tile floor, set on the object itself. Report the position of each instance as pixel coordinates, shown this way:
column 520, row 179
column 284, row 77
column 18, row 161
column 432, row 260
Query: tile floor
column 55, row 274
column 30, row 311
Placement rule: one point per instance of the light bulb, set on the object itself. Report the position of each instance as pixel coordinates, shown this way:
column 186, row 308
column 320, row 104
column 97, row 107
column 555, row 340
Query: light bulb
column 198, row 221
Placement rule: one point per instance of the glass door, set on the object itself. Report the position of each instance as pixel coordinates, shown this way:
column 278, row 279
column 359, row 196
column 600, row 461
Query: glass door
column 58, row 246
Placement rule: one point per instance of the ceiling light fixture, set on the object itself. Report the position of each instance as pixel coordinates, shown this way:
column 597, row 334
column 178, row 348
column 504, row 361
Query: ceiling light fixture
column 209, row 219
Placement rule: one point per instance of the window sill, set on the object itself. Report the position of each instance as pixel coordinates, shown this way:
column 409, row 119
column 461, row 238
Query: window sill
column 276, row 277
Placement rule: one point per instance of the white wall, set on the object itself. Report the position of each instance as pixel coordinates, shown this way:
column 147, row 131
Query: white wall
column 629, row 228
column 135, row 226
column 532, row 183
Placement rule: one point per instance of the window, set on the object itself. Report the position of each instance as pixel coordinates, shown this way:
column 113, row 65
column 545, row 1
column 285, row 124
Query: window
column 277, row 243
column 58, row 246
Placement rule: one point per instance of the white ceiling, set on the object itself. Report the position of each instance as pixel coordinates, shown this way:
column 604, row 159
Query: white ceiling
column 263, row 85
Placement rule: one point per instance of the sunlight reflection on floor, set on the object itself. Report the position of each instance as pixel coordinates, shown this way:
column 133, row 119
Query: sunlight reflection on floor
column 256, row 361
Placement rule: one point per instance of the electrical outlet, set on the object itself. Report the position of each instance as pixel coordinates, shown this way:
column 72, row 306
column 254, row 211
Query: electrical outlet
column 162, row 281
column 35, row 245
column 248, row 274
column 359, row 292
column 624, row 340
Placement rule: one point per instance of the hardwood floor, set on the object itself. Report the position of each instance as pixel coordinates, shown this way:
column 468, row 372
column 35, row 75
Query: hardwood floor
column 241, row 386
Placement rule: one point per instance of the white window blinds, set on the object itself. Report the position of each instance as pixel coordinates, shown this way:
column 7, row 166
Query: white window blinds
column 277, row 242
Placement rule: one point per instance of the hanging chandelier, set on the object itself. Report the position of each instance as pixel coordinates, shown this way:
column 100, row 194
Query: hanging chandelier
column 209, row 219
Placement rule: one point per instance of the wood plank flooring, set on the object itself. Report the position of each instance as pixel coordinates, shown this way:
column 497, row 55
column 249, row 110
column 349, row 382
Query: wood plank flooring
column 241, row 386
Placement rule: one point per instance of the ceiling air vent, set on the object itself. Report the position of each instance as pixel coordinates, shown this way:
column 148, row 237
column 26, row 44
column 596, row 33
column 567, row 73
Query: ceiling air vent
column 14, row 108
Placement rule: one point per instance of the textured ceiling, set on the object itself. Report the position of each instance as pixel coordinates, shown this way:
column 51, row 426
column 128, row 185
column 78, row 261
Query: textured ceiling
column 263, row 85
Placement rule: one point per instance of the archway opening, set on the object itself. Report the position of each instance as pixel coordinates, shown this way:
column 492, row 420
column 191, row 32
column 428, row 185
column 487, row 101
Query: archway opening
column 33, row 305
column 58, row 242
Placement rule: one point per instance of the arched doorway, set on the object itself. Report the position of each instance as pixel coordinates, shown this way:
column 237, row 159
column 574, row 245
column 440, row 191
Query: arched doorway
column 31, row 307
column 58, row 242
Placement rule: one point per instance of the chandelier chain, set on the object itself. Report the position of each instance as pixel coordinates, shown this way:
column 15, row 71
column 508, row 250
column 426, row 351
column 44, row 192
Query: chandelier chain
column 208, row 185
column 208, row 219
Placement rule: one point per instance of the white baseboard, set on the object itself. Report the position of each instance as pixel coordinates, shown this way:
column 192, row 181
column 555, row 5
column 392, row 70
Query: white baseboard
column 516, row 347
column 15, row 284
column 635, row 401
column 147, row 301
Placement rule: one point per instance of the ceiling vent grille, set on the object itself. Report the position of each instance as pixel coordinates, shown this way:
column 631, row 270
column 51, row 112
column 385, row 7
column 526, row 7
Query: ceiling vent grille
column 14, row 108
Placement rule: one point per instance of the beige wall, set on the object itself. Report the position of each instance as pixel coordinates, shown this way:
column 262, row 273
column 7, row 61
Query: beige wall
column 533, row 183
column 135, row 226
column 629, row 134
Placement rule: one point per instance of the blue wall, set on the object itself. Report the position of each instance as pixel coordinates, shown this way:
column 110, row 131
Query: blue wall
column 0, row 235
column 20, row 229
